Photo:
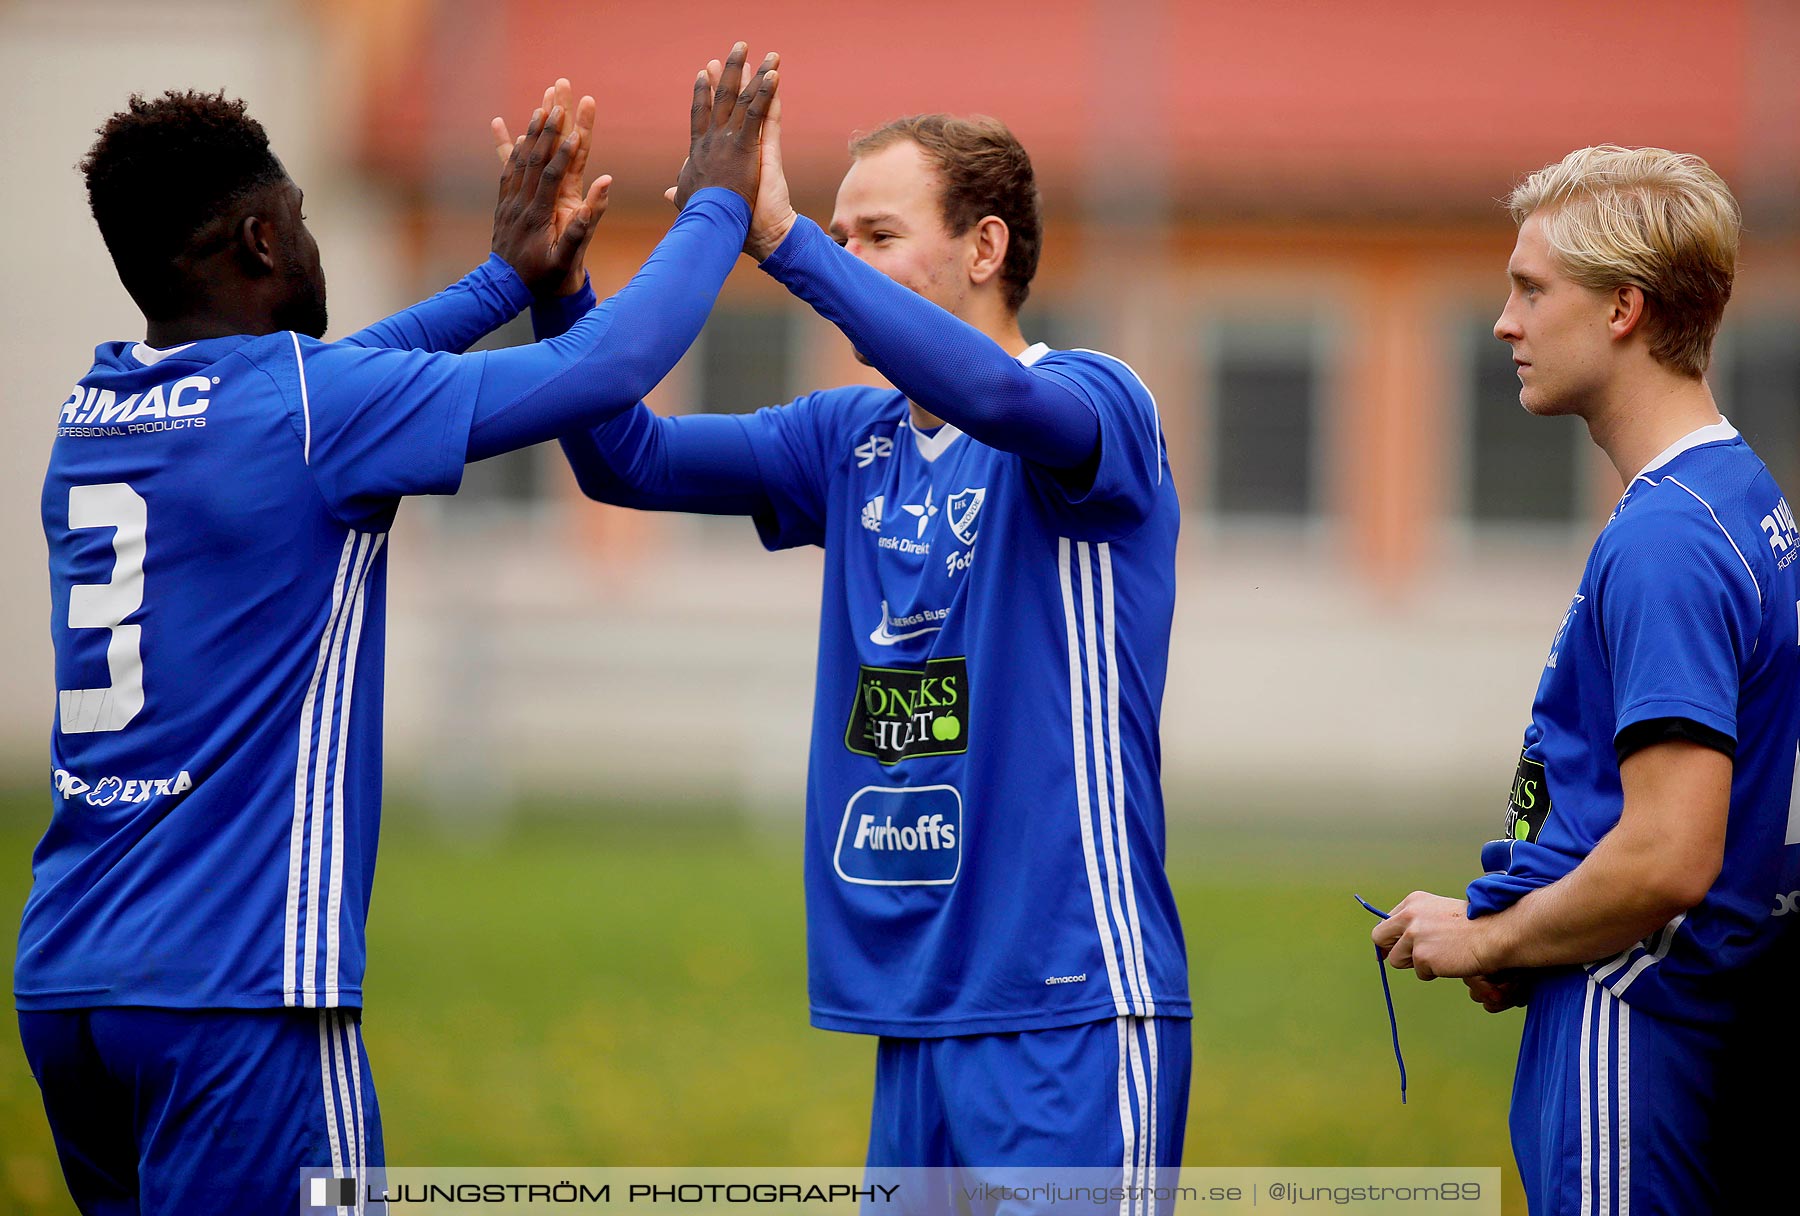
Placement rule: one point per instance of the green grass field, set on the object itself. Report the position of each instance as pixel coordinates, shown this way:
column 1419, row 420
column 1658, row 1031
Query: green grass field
column 618, row 990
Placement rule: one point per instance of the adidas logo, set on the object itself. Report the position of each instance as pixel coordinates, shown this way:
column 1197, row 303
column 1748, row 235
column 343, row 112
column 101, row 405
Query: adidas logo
column 871, row 513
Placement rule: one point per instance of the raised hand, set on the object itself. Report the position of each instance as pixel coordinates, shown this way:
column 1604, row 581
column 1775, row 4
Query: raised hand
column 569, row 193
column 725, row 128
column 543, row 221
column 773, row 212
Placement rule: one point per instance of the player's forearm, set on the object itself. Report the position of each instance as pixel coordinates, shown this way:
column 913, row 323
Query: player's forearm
column 1659, row 860
column 646, row 462
column 1623, row 891
column 554, row 316
column 455, row 318
column 614, row 355
column 942, row 363
column 702, row 463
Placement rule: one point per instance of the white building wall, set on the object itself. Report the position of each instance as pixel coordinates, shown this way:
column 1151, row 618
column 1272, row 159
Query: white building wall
column 688, row 672
column 64, row 67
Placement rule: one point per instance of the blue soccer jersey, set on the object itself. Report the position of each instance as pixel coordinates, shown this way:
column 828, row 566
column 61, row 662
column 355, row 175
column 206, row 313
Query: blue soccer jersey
column 218, row 582
column 217, row 518
column 1688, row 610
column 984, row 830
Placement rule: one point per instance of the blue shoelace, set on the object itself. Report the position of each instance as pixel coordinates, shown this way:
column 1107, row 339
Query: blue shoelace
column 1388, row 994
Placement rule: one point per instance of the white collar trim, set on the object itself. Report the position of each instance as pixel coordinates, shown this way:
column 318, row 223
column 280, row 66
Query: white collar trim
column 1715, row 432
column 933, row 446
column 150, row 356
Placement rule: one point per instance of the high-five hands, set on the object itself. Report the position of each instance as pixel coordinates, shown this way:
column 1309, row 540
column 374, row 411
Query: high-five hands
column 544, row 221
column 728, row 141
column 773, row 213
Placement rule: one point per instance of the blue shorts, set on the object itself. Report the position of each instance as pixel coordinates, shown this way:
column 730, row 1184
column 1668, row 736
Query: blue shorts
column 163, row 1111
column 1108, row 1095
column 1613, row 1110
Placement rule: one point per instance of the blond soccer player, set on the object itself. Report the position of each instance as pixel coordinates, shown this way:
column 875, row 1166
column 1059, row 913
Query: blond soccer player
column 1636, row 893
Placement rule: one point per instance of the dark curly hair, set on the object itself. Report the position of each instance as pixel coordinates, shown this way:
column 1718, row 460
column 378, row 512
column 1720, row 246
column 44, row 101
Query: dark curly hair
column 160, row 172
column 985, row 172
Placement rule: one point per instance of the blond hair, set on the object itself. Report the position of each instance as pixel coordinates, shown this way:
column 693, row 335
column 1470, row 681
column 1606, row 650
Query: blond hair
column 1661, row 221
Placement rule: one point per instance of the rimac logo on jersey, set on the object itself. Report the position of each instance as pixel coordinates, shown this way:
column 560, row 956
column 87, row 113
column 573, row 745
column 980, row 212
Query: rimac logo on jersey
column 1528, row 806
column 875, row 447
column 963, row 506
column 901, row 837
column 902, row 712
column 871, row 512
column 1784, row 537
column 93, row 412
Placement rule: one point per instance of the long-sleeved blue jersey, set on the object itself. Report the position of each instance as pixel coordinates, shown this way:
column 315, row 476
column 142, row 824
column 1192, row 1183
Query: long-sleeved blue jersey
column 984, row 816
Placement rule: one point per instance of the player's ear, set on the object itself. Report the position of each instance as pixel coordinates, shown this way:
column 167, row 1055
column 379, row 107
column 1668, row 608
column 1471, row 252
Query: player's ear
column 987, row 250
column 256, row 240
column 1625, row 312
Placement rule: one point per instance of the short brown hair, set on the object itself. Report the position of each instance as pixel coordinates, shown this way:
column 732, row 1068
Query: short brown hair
column 1661, row 221
column 985, row 172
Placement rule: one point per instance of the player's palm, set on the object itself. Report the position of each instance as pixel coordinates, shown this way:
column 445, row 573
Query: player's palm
column 570, row 197
column 773, row 214
column 771, row 186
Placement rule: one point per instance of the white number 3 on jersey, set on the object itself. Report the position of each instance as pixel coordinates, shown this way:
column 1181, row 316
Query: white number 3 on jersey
column 105, row 606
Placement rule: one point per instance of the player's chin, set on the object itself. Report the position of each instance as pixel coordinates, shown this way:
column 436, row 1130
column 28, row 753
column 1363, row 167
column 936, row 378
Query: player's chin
column 304, row 312
column 1542, row 404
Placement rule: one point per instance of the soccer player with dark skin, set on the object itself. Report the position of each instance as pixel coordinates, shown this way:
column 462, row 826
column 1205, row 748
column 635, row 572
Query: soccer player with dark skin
column 189, row 978
column 256, row 270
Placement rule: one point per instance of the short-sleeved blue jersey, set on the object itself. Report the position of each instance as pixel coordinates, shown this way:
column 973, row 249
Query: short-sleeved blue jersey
column 218, row 577
column 217, row 517
column 984, row 840
column 1688, row 609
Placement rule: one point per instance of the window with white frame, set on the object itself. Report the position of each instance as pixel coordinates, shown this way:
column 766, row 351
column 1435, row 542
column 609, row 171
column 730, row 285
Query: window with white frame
column 1267, row 380
column 746, row 359
column 1756, row 380
column 1055, row 325
column 511, row 481
column 1520, row 470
